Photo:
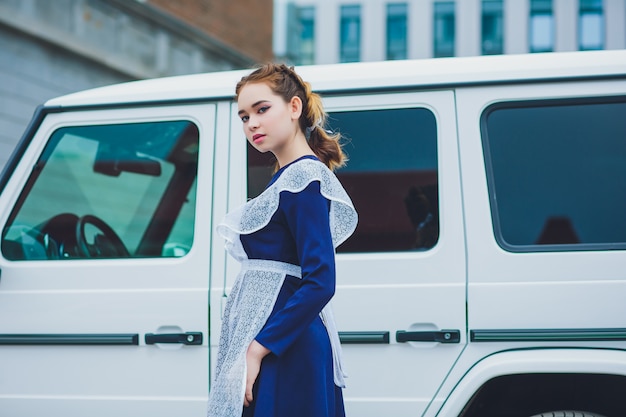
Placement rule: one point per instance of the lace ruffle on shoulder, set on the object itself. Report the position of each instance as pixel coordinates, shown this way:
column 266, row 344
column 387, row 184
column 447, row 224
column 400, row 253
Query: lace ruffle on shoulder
column 256, row 213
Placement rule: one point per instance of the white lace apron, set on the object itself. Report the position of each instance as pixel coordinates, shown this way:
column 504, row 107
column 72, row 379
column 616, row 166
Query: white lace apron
column 256, row 288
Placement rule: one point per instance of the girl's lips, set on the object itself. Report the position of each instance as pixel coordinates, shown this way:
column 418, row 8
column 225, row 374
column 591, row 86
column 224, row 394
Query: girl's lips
column 257, row 138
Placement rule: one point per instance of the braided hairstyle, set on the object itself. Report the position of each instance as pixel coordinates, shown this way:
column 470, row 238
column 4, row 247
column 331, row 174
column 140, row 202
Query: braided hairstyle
column 285, row 82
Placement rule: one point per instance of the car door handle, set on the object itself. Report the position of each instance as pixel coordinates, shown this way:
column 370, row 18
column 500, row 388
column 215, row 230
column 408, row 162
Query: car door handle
column 189, row 338
column 439, row 336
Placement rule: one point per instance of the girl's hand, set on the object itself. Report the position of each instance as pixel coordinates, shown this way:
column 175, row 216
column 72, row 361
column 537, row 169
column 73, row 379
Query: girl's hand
column 255, row 354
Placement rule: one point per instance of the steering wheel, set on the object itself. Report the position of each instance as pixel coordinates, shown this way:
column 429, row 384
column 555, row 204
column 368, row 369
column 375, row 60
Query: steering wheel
column 107, row 244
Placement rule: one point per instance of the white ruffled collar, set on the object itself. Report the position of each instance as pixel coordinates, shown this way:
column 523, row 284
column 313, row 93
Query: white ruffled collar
column 293, row 177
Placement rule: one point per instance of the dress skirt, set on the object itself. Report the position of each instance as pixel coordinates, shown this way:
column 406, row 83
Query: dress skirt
column 299, row 383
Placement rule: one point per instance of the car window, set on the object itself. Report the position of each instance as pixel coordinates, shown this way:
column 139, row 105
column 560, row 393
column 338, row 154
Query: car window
column 108, row 191
column 557, row 173
column 391, row 176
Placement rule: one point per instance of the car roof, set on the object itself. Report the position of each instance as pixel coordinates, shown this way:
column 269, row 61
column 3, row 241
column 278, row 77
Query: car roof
column 369, row 76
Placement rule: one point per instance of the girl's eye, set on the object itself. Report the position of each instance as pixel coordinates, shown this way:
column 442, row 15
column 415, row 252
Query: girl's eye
column 244, row 118
column 264, row 109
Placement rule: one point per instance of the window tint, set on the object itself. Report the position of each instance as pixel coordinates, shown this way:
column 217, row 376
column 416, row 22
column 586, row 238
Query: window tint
column 107, row 192
column 391, row 177
column 557, row 174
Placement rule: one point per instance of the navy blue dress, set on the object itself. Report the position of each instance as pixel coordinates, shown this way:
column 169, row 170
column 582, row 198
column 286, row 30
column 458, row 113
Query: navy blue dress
column 296, row 378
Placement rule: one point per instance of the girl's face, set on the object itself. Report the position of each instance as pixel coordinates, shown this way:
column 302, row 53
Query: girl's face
column 269, row 123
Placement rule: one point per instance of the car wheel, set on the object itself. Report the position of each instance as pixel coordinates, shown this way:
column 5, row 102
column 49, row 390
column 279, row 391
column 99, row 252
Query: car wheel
column 569, row 413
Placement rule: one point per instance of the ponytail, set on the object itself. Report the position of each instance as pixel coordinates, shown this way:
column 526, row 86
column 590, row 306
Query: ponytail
column 284, row 81
column 325, row 144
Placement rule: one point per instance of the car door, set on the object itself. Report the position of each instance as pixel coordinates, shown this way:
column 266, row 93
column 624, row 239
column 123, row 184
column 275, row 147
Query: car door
column 400, row 299
column 546, row 226
column 104, row 266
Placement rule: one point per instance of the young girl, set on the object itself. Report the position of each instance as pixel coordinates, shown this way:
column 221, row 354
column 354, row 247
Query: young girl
column 279, row 352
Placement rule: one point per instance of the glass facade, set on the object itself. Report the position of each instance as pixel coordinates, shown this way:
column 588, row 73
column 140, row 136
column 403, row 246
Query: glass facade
column 396, row 31
column 350, row 34
column 492, row 27
column 541, row 30
column 583, row 23
column 444, row 31
column 591, row 25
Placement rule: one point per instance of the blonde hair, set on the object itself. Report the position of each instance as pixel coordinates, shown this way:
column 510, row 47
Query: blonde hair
column 285, row 82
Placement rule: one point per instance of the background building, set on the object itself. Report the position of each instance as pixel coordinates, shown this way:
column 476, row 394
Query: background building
column 244, row 25
column 330, row 31
column 50, row 48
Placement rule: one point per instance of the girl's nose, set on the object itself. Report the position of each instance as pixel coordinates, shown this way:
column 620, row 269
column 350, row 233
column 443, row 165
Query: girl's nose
column 253, row 122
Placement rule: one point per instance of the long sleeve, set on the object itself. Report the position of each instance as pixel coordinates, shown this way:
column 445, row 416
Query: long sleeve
column 307, row 216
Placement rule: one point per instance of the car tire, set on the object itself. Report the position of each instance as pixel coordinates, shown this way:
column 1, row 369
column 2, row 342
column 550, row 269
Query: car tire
column 569, row 413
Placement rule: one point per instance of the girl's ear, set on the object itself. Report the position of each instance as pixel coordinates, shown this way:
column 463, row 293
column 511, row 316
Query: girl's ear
column 295, row 105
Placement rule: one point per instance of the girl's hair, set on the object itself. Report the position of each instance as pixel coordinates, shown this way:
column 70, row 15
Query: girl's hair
column 285, row 82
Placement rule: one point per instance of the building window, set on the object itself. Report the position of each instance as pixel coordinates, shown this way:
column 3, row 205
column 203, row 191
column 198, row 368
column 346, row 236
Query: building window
column 541, row 26
column 301, row 34
column 350, row 49
column 444, row 29
column 492, row 27
column 396, row 31
column 306, row 30
column 591, row 25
